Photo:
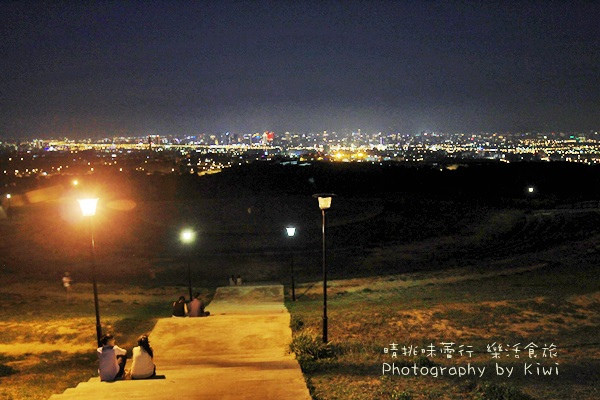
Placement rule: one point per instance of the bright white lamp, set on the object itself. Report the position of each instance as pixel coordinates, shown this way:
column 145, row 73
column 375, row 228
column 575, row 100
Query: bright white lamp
column 88, row 207
column 187, row 235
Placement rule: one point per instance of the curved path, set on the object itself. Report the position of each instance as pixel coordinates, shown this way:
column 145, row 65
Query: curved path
column 239, row 352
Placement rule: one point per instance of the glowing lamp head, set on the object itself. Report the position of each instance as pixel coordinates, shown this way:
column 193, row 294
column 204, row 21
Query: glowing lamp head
column 75, row 182
column 8, row 196
column 291, row 231
column 88, row 207
column 187, row 236
column 530, row 189
column 324, row 203
column 324, row 200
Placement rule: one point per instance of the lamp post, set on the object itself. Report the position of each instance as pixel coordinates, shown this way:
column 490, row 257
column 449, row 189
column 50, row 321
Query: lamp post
column 324, row 205
column 291, row 231
column 530, row 192
column 9, row 209
column 88, row 209
column 187, row 236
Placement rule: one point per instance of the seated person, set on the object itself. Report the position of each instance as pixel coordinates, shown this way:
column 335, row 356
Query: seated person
column 197, row 307
column 180, row 308
column 142, row 366
column 112, row 359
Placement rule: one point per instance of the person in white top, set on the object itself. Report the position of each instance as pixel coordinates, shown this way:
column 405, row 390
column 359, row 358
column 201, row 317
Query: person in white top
column 112, row 359
column 142, row 366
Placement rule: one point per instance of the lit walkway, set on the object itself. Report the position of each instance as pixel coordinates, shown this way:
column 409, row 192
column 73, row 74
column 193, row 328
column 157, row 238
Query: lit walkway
column 239, row 352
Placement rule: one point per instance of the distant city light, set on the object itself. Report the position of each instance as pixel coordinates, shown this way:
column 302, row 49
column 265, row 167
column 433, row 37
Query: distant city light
column 291, row 231
column 75, row 182
column 8, row 196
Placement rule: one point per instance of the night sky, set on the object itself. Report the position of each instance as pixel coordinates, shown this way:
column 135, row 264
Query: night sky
column 133, row 68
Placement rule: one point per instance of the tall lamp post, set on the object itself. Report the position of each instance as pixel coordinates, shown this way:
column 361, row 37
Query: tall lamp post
column 324, row 205
column 88, row 209
column 291, row 231
column 9, row 209
column 531, row 192
column 187, row 236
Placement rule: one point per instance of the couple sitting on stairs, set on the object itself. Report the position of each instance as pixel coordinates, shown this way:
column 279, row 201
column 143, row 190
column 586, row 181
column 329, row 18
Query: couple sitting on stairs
column 112, row 359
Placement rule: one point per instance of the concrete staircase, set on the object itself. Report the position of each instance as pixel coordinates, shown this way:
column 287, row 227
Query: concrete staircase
column 239, row 352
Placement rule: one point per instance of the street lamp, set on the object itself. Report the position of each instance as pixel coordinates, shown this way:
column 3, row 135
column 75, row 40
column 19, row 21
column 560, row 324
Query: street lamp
column 9, row 209
column 187, row 236
column 88, row 209
column 291, row 231
column 324, row 205
column 530, row 193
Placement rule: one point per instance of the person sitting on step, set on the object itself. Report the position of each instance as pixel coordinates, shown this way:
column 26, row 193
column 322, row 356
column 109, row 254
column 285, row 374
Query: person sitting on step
column 112, row 359
column 142, row 365
column 197, row 307
column 180, row 307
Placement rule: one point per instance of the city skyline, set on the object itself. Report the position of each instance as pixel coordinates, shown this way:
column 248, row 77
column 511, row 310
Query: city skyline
column 82, row 70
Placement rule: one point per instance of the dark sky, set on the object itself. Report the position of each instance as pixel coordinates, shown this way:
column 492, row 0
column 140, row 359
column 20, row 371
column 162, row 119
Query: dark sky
column 105, row 68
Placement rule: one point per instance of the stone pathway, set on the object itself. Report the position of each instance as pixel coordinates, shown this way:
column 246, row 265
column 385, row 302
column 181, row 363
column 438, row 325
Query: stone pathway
column 239, row 352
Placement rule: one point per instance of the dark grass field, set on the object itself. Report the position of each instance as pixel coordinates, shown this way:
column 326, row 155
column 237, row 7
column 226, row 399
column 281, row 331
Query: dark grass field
column 551, row 303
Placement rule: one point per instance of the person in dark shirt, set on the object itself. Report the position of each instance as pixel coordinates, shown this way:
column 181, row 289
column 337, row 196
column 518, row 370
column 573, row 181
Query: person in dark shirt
column 180, row 308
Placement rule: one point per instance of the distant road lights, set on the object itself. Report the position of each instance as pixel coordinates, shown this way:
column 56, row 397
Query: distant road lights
column 291, row 231
column 88, row 209
column 324, row 205
column 187, row 236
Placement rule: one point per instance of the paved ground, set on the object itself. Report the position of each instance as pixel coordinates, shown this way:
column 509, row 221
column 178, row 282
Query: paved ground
column 239, row 352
